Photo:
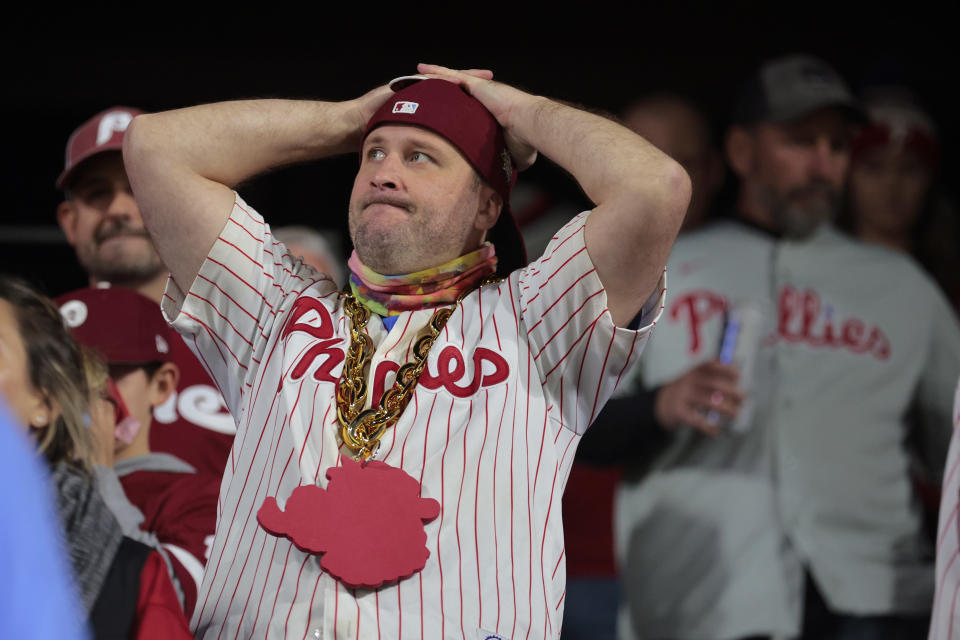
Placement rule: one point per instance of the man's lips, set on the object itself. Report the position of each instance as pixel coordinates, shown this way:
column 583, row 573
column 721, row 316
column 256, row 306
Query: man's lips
column 124, row 234
column 397, row 204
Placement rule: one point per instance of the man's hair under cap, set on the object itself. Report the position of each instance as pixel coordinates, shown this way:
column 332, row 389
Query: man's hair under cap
column 447, row 110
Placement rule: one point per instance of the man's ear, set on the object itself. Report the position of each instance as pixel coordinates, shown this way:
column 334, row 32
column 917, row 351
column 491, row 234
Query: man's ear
column 67, row 217
column 740, row 149
column 163, row 383
column 489, row 210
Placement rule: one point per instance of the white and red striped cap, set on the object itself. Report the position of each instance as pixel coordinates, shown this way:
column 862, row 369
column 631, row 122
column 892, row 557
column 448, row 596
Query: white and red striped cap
column 102, row 132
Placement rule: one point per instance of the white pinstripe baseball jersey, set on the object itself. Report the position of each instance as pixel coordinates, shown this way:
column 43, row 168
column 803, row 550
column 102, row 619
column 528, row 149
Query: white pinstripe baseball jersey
column 945, row 622
column 516, row 376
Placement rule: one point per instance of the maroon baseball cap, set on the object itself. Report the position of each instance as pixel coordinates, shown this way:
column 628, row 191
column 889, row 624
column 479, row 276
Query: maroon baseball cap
column 122, row 325
column 447, row 110
column 102, row 132
column 898, row 121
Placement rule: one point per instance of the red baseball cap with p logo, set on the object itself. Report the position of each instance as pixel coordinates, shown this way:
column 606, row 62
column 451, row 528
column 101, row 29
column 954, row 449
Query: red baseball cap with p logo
column 103, row 132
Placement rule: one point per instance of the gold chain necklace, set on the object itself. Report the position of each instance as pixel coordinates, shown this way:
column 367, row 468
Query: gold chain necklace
column 361, row 429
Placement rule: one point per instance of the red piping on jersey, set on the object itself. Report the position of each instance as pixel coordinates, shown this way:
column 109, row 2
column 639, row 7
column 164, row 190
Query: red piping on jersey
column 243, row 281
column 572, row 316
column 573, row 346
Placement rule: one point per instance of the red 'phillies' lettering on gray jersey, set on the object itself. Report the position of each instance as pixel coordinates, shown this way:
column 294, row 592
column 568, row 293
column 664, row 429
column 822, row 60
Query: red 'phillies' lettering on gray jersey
column 856, row 338
column 514, row 379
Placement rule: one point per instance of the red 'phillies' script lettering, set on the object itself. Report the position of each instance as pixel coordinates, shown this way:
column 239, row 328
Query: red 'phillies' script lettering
column 450, row 364
column 451, row 368
column 800, row 320
column 699, row 306
column 327, row 348
column 301, row 307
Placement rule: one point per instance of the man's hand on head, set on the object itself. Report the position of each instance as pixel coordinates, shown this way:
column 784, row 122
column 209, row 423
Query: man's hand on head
column 367, row 104
column 500, row 99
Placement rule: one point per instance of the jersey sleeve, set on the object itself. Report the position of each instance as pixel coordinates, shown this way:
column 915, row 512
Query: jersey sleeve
column 227, row 315
column 935, row 392
column 948, row 538
column 581, row 355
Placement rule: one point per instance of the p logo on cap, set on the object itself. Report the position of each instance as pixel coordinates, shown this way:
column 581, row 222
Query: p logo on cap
column 113, row 122
column 103, row 132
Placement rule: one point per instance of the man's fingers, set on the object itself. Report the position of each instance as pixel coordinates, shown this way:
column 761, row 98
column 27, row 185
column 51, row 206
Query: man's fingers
column 368, row 104
column 698, row 421
column 424, row 67
column 713, row 393
column 485, row 74
column 522, row 153
column 459, row 74
column 713, row 400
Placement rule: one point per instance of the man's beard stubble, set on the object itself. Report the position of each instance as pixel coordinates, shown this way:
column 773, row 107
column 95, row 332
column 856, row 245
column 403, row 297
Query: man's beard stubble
column 799, row 211
column 410, row 247
column 377, row 246
column 127, row 268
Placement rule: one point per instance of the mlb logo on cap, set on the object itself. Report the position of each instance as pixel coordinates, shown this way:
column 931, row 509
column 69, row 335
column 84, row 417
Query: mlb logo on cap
column 102, row 132
column 402, row 106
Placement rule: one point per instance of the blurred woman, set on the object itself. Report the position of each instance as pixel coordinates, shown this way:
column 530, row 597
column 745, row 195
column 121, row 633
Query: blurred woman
column 43, row 380
column 893, row 196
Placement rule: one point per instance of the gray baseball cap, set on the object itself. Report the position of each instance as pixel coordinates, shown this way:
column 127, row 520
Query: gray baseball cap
column 787, row 88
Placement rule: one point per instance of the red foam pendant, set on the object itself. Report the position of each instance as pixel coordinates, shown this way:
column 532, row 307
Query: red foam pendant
column 368, row 523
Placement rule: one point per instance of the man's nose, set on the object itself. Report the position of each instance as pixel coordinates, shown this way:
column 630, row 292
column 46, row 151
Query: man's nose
column 387, row 174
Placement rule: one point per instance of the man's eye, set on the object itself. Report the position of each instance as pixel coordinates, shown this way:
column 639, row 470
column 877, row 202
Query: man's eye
column 376, row 154
column 95, row 193
column 419, row 156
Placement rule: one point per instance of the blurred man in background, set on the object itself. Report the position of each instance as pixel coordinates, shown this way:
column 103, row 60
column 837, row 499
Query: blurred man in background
column 789, row 355
column 101, row 220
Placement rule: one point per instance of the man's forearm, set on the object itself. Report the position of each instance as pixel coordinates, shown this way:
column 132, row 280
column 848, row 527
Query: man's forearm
column 229, row 142
column 640, row 192
column 183, row 164
column 607, row 160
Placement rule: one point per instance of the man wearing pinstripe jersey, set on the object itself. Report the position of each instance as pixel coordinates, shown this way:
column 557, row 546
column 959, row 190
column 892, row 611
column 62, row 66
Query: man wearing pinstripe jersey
column 945, row 619
column 511, row 381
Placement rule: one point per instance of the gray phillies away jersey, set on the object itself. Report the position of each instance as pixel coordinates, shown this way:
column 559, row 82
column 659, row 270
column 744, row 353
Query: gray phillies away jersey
column 713, row 537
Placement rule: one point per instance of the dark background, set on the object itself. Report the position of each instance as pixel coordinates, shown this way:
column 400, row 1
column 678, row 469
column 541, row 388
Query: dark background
column 60, row 66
